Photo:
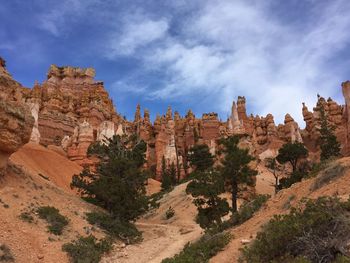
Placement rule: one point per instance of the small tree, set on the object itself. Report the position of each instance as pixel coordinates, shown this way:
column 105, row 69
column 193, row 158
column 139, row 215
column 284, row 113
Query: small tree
column 276, row 169
column 166, row 180
column 292, row 153
column 200, row 157
column 118, row 182
column 330, row 147
column 205, row 188
column 236, row 166
column 173, row 174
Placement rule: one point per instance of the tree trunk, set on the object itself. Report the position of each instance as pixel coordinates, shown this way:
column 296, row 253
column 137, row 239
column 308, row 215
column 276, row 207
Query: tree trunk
column 234, row 194
column 276, row 184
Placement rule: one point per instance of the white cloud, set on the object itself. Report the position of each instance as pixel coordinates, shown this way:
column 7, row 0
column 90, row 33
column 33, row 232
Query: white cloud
column 236, row 48
column 137, row 32
column 56, row 18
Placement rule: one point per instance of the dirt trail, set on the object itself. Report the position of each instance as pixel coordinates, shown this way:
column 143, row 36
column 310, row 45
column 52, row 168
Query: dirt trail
column 162, row 238
column 165, row 238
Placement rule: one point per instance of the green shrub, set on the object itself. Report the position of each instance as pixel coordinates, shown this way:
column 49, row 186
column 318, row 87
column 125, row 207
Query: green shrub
column 53, row 217
column 342, row 259
column 328, row 175
column 318, row 233
column 247, row 209
column 316, row 168
column 245, row 212
column 154, row 198
column 124, row 231
column 287, row 182
column 169, row 213
column 202, row 250
column 87, row 249
column 27, row 217
column 5, row 254
column 287, row 204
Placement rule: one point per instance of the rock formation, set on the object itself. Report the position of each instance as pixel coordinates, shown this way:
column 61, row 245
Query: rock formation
column 336, row 117
column 71, row 110
column 16, row 121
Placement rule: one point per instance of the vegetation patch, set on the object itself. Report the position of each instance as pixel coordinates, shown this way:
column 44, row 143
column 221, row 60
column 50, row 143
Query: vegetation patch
column 5, row 254
column 27, row 217
column 123, row 230
column 202, row 250
column 318, row 167
column 245, row 212
column 53, row 217
column 247, row 209
column 328, row 175
column 154, row 198
column 87, row 249
column 170, row 212
column 318, row 233
column 287, row 204
column 117, row 184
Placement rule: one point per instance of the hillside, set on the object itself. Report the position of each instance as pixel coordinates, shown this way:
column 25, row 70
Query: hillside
column 284, row 200
column 162, row 238
column 37, row 159
column 24, row 191
column 38, row 176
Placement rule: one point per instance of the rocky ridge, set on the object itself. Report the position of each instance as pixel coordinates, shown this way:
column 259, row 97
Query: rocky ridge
column 16, row 122
column 71, row 110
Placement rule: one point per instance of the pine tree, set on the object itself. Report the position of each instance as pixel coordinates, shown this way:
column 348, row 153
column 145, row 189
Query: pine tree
column 166, row 180
column 206, row 187
column 329, row 145
column 118, row 182
column 292, row 153
column 173, row 174
column 236, row 168
column 276, row 169
column 200, row 157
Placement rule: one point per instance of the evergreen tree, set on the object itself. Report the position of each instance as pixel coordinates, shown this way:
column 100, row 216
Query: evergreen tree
column 166, row 180
column 330, row 147
column 118, row 182
column 292, row 153
column 276, row 169
column 205, row 188
column 200, row 157
column 173, row 174
column 236, row 166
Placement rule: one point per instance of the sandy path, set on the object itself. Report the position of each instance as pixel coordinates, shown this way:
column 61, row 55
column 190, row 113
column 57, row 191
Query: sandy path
column 162, row 238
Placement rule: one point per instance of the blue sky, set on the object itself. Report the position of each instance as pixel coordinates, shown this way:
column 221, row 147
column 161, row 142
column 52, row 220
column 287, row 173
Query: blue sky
column 198, row 54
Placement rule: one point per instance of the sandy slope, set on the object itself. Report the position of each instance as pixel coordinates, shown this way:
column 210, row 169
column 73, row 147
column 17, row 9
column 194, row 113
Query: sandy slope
column 41, row 176
column 153, row 186
column 24, row 189
column 21, row 191
column 162, row 238
column 280, row 204
column 39, row 160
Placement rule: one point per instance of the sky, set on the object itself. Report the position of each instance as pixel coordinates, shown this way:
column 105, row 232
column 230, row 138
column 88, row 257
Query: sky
column 194, row 54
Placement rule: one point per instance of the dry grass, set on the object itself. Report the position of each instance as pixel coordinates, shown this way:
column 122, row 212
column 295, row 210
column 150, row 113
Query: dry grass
column 333, row 172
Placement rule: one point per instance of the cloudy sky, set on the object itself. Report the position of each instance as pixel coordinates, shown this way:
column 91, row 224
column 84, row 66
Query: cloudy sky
column 198, row 54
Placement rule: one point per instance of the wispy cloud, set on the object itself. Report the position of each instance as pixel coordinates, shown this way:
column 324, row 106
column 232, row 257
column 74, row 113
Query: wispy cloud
column 231, row 48
column 137, row 31
column 56, row 20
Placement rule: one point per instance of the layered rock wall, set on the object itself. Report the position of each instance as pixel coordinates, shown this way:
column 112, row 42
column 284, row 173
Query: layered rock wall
column 71, row 110
column 16, row 121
